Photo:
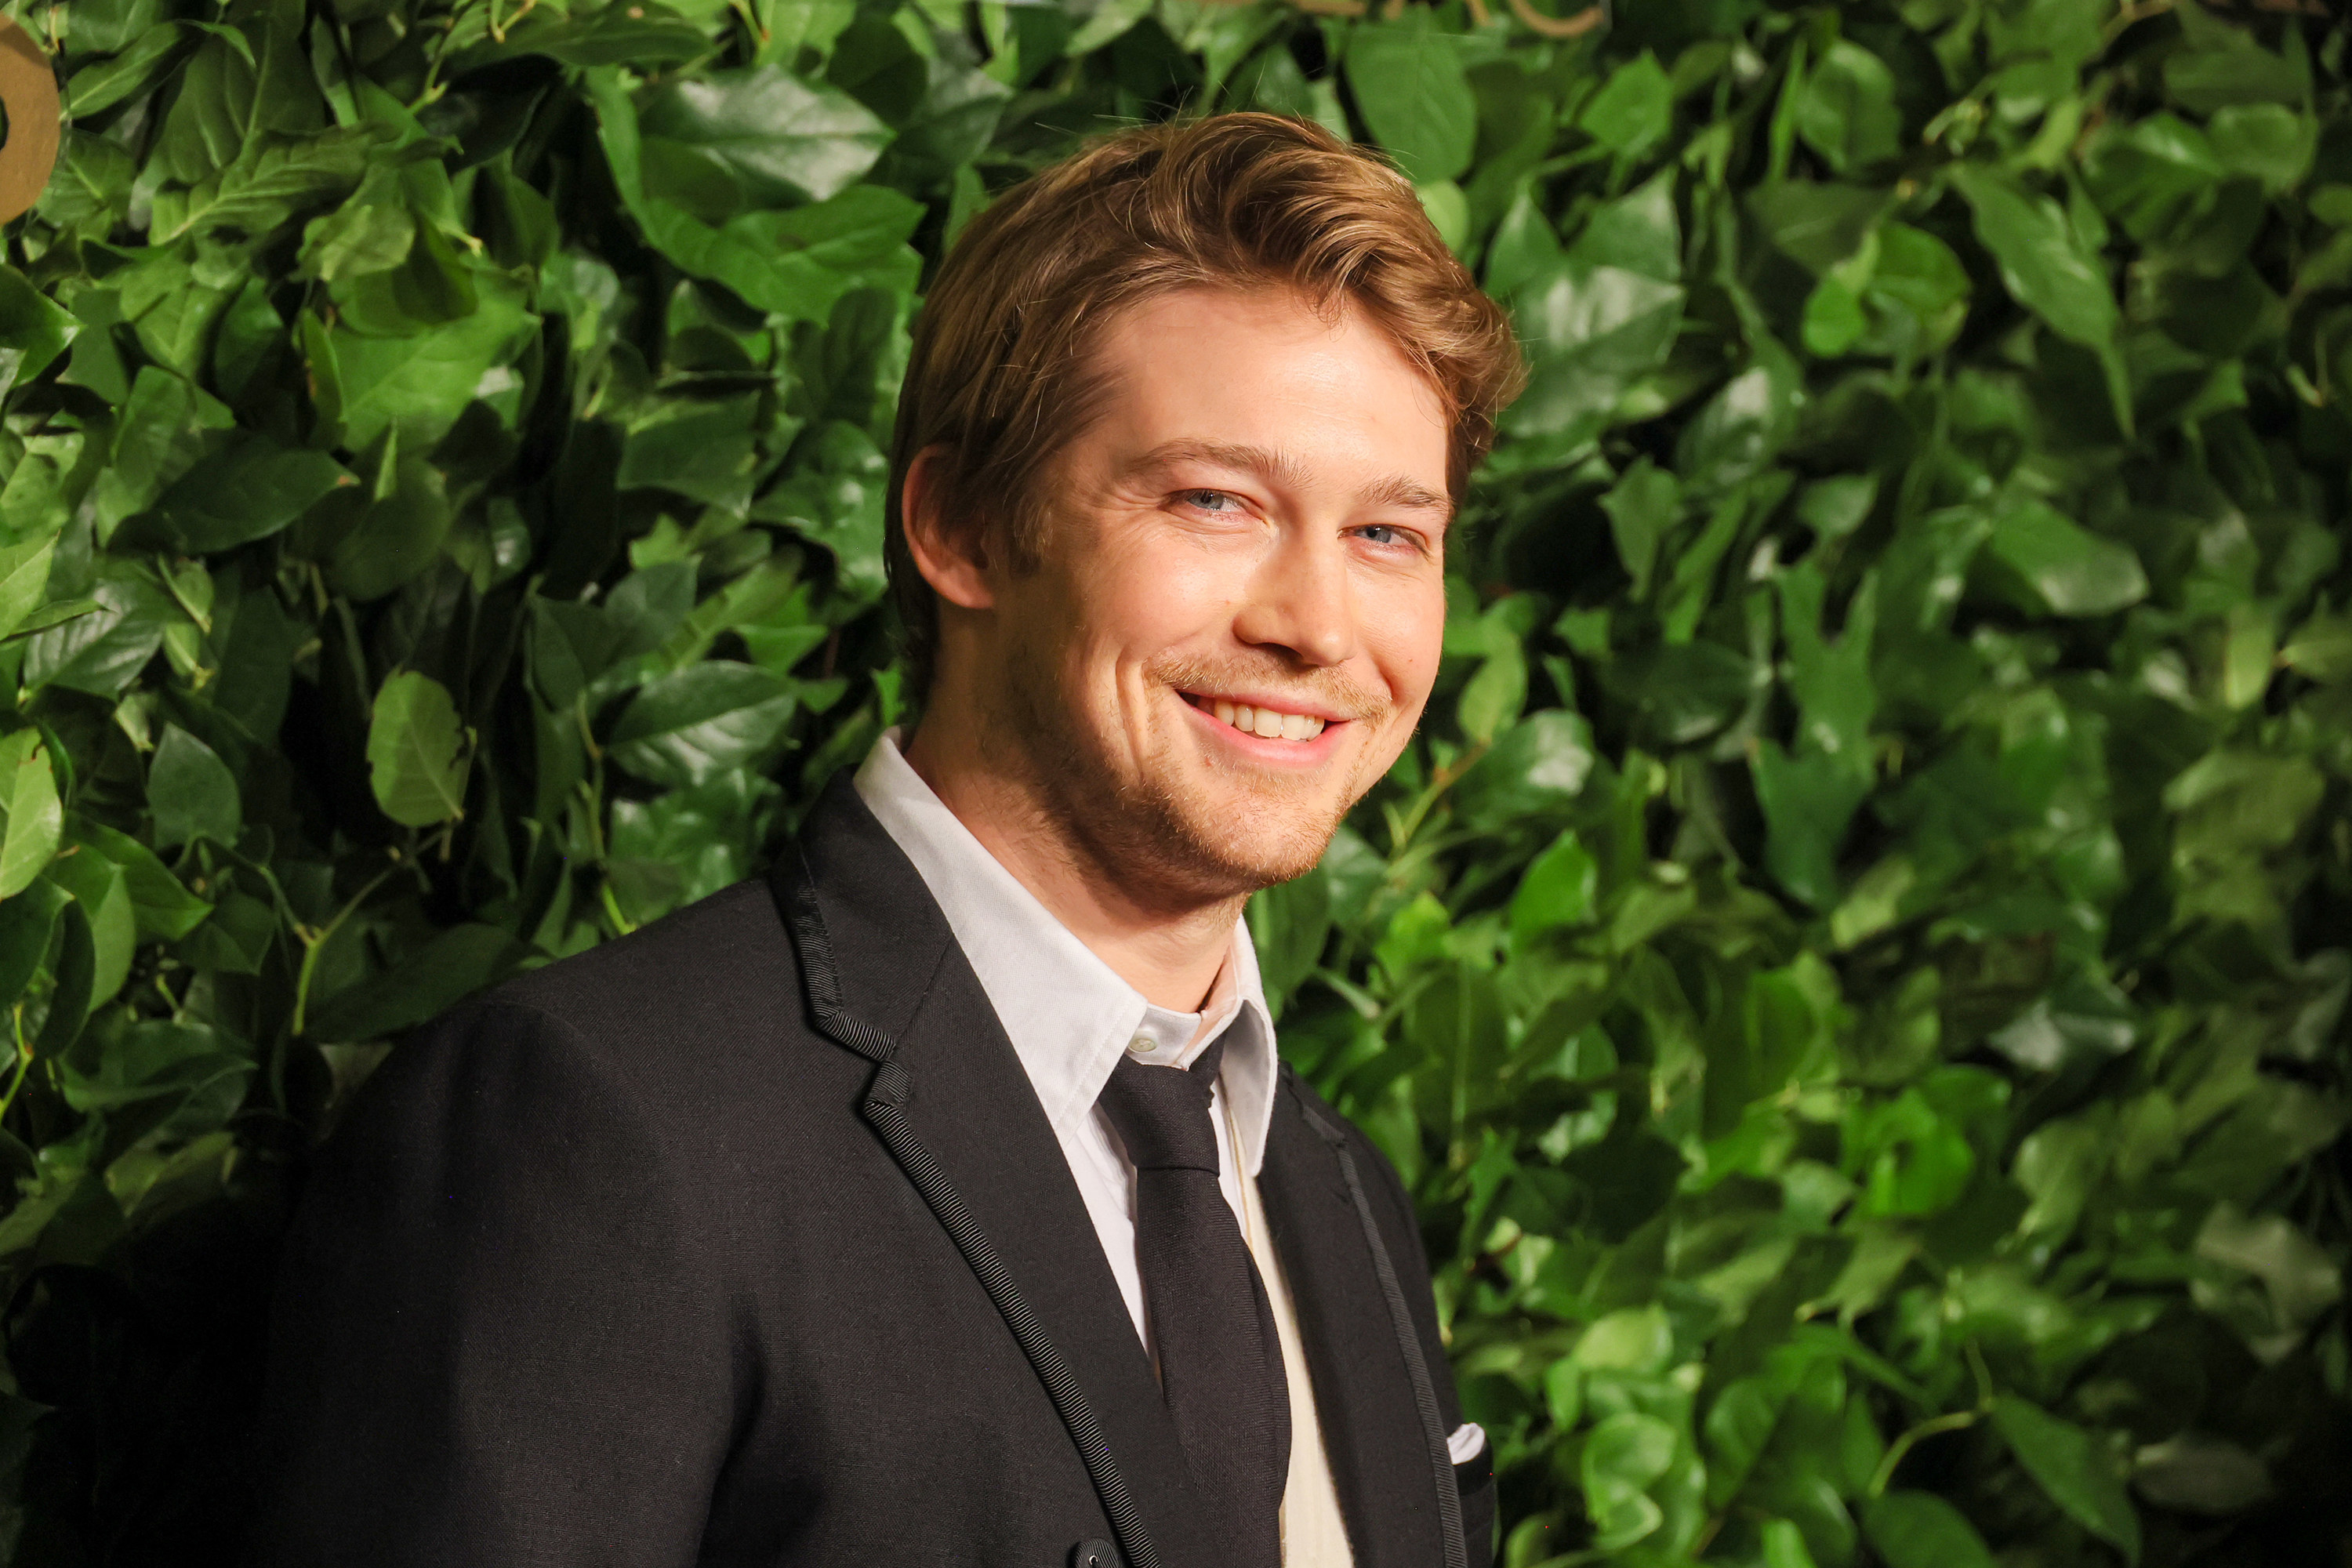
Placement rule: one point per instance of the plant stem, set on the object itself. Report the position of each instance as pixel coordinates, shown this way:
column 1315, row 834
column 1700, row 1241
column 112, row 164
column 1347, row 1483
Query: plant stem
column 1902, row 1446
column 312, row 943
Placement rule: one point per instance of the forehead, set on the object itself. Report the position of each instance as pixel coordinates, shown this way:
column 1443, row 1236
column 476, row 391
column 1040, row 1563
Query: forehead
column 1260, row 367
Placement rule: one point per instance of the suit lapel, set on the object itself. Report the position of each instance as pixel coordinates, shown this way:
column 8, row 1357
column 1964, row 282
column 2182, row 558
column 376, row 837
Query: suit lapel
column 1364, row 1398
column 971, row 1105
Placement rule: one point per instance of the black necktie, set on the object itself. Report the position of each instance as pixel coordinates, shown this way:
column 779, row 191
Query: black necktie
column 1219, row 1359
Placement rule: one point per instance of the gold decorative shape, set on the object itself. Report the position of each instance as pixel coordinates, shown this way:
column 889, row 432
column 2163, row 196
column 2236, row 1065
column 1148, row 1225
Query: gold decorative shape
column 29, row 87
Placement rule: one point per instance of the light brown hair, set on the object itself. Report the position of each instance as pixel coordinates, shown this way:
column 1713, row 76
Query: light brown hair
column 998, row 378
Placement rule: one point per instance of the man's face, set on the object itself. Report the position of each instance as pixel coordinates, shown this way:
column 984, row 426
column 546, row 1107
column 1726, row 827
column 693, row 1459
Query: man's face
column 1240, row 602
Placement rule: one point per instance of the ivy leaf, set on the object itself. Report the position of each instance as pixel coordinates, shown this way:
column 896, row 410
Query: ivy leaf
column 704, row 721
column 161, row 907
column 1846, row 111
column 2148, row 173
column 36, row 822
column 781, row 140
column 102, row 651
column 23, row 578
column 1642, row 507
column 1633, row 109
column 796, row 263
column 2068, row 1463
column 1495, row 693
column 33, row 329
column 2046, row 269
column 1560, row 888
column 192, row 792
column 642, row 33
column 2268, row 141
column 420, row 383
column 102, row 84
column 1624, row 1456
column 1410, row 88
column 1913, row 1530
column 416, row 751
column 438, row 975
column 356, row 239
column 101, row 896
column 267, row 184
column 28, row 919
column 2066, row 569
column 1592, row 332
column 249, row 490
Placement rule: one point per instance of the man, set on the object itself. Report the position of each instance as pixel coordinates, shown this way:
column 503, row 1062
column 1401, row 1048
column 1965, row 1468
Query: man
column 942, row 1199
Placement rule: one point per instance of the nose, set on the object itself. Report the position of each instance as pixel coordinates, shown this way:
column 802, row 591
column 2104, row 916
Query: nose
column 1300, row 601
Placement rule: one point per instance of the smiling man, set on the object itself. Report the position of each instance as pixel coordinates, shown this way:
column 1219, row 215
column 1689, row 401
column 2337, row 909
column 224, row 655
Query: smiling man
column 942, row 1199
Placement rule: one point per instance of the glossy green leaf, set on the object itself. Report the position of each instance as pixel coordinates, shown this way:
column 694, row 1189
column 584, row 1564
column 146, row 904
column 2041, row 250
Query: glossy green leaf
column 2265, row 142
column 192, row 792
column 690, row 727
column 456, row 962
column 416, row 751
column 1623, row 1456
column 2069, row 1464
column 2070, row 569
column 1559, row 889
column 33, row 329
column 23, row 578
column 249, row 490
column 1846, row 111
column 161, row 907
column 27, row 922
column 1915, row 1529
column 419, row 384
column 2043, row 263
column 1410, row 88
column 35, row 821
column 779, row 138
column 1633, row 108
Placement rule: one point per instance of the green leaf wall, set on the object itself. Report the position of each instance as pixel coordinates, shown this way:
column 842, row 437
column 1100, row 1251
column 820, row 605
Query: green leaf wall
column 1853, row 967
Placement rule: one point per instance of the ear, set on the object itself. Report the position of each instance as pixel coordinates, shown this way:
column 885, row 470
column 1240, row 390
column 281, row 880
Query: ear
column 951, row 553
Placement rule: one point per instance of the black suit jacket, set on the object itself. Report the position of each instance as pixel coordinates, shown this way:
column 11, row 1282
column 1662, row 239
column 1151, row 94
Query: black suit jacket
column 744, row 1240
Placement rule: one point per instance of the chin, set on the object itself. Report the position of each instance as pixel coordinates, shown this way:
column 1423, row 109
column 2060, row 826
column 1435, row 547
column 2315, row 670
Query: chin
column 1233, row 841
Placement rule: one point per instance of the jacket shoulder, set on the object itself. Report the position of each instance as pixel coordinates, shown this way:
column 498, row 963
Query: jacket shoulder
column 703, row 1007
column 721, row 959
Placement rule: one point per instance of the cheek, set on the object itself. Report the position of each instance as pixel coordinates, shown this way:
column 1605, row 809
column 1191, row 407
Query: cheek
column 1152, row 596
column 1405, row 633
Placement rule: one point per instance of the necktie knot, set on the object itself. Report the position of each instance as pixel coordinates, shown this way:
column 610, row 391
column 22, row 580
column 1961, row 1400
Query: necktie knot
column 1161, row 1114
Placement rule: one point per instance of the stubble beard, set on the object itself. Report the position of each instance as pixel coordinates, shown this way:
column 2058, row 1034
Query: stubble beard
column 1159, row 843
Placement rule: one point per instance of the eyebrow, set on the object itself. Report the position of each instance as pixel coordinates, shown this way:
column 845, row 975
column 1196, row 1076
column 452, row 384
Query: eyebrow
column 1277, row 467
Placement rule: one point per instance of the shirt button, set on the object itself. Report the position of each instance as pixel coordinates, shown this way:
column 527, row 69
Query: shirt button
column 1143, row 1045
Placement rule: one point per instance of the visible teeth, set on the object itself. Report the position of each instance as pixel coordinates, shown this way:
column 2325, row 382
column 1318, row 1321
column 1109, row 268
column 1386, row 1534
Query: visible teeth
column 1264, row 722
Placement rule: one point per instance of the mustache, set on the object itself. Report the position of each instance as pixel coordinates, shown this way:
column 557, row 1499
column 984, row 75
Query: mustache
column 1329, row 690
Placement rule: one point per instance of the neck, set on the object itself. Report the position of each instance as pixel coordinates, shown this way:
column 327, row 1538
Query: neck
column 1167, row 947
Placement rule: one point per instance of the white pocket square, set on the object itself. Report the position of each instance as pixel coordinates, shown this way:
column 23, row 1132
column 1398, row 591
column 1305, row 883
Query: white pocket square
column 1467, row 1439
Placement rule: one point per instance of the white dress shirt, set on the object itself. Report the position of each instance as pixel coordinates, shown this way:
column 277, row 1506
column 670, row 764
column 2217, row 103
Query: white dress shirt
column 1070, row 1018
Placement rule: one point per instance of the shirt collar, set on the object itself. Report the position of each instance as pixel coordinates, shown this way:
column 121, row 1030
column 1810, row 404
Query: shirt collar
column 1068, row 1013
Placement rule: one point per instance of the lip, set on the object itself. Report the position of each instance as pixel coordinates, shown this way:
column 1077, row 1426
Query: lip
column 1274, row 701
column 1259, row 748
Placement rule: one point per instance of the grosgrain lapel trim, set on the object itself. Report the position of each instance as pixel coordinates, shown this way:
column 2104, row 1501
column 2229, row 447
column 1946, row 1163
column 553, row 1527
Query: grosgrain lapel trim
column 1383, row 1427
column 882, row 1110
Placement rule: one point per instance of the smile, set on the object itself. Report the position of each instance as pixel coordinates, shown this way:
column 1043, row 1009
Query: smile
column 1266, row 723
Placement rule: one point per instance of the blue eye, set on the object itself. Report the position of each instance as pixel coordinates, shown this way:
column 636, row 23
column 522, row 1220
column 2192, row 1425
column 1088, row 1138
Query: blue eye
column 1391, row 536
column 1210, row 500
